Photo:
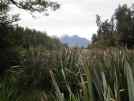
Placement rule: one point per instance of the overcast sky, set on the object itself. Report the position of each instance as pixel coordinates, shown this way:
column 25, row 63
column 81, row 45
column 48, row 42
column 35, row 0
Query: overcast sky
column 75, row 17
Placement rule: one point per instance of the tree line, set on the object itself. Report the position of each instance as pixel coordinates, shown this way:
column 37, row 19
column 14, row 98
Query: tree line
column 117, row 31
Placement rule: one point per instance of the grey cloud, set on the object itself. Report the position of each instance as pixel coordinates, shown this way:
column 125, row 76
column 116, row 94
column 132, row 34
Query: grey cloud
column 74, row 17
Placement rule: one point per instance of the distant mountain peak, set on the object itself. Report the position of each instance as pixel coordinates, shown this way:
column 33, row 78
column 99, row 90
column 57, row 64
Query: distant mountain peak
column 74, row 41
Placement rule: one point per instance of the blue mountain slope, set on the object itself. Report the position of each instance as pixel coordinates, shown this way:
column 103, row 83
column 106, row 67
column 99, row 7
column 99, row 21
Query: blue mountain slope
column 75, row 41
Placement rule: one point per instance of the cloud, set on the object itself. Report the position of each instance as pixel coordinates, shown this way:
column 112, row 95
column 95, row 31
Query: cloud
column 74, row 17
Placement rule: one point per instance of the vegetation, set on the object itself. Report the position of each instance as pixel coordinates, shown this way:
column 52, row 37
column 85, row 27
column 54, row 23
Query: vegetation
column 116, row 32
column 81, row 76
column 35, row 67
column 31, row 5
column 14, row 40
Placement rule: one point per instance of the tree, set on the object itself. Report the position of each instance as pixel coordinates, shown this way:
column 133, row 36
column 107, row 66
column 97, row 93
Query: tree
column 8, row 52
column 33, row 5
column 119, row 30
column 125, row 25
column 94, row 38
column 105, row 29
column 104, row 36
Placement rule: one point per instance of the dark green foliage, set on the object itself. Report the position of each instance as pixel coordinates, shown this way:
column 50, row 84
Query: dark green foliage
column 7, row 52
column 35, row 74
column 13, row 39
column 94, row 38
column 26, row 38
column 125, row 25
column 105, row 36
column 119, row 31
column 31, row 5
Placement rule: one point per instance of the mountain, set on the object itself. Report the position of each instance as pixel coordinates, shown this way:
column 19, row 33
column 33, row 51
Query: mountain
column 74, row 41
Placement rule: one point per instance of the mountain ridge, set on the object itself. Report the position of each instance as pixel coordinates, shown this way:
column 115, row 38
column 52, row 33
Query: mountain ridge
column 75, row 41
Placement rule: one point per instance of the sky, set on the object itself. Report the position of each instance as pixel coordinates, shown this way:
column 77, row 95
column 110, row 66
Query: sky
column 74, row 17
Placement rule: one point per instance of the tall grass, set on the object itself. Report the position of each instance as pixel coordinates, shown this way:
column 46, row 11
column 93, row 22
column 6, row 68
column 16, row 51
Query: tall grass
column 105, row 75
column 71, row 75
